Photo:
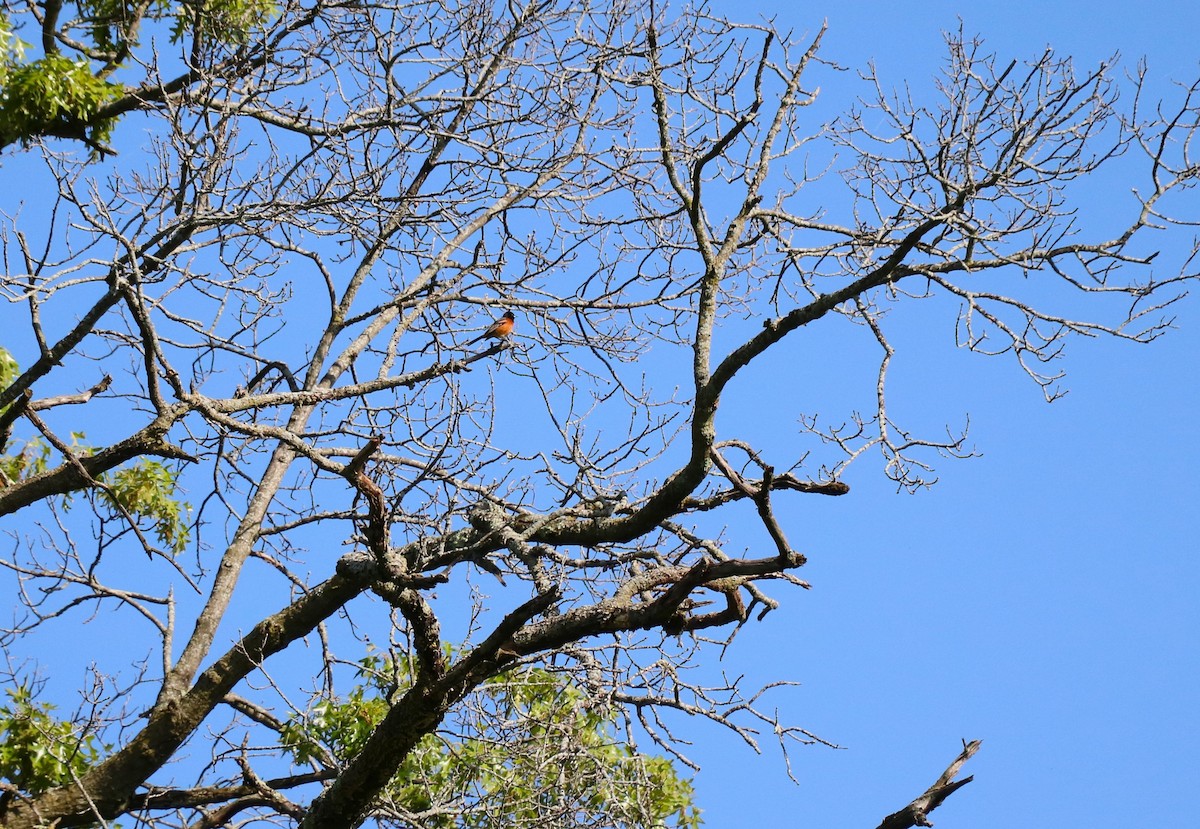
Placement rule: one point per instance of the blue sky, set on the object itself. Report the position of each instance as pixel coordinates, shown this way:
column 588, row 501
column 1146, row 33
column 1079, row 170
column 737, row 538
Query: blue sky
column 1041, row 597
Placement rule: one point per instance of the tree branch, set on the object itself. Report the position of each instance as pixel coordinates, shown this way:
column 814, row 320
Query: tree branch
column 916, row 813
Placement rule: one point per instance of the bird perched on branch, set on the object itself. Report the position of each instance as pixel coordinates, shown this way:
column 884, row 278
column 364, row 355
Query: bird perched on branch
column 498, row 330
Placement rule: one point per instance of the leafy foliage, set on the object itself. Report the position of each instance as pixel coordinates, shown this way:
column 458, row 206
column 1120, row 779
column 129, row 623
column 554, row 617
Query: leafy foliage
column 110, row 20
column 63, row 96
column 55, row 95
column 147, row 489
column 9, row 369
column 538, row 750
column 38, row 752
column 32, row 459
column 225, row 21
column 12, row 50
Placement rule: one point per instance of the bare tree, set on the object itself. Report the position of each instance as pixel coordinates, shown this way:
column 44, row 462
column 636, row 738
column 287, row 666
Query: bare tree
column 270, row 291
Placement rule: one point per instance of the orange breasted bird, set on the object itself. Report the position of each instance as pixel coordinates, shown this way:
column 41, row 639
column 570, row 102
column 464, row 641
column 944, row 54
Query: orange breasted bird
column 498, row 330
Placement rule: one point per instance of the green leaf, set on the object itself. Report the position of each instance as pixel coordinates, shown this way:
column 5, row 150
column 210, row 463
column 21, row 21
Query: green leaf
column 544, row 752
column 38, row 752
column 224, row 21
column 148, row 490
column 54, row 95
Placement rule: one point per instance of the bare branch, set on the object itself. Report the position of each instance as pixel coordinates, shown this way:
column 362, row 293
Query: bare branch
column 916, row 813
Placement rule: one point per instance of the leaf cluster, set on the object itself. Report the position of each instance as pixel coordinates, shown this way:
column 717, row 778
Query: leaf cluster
column 37, row 751
column 535, row 747
column 54, row 95
column 224, row 21
column 65, row 96
column 146, row 489
column 31, row 459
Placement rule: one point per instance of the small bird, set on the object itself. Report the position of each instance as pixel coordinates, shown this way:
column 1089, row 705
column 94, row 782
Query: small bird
column 498, row 330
